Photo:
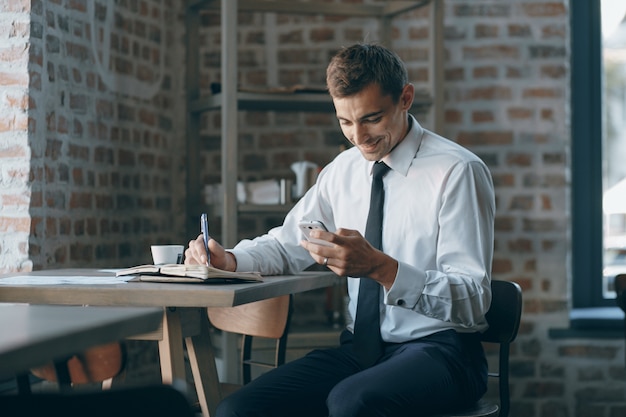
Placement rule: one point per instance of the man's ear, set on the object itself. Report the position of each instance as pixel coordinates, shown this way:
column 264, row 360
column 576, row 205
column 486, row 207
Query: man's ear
column 407, row 96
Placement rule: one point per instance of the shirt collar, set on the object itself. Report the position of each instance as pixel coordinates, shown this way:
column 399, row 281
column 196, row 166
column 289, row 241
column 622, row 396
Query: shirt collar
column 401, row 157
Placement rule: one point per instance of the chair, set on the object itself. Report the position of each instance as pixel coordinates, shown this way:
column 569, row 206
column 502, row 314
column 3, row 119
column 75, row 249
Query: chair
column 504, row 317
column 95, row 365
column 267, row 319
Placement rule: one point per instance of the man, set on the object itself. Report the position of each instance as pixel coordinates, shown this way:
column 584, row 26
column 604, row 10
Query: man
column 433, row 271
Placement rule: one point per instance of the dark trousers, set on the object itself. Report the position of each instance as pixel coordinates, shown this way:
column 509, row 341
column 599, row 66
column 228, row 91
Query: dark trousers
column 435, row 374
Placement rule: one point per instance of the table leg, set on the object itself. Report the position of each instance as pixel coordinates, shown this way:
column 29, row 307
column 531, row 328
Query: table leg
column 202, row 361
column 171, row 352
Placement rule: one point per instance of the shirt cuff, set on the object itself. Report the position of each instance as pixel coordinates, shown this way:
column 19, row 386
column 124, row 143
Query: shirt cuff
column 245, row 262
column 407, row 287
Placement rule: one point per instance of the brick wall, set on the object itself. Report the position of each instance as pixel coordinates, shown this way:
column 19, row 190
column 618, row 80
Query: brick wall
column 92, row 132
column 15, row 194
column 90, row 170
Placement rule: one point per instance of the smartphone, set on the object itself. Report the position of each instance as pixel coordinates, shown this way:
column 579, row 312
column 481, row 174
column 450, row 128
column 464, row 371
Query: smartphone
column 306, row 226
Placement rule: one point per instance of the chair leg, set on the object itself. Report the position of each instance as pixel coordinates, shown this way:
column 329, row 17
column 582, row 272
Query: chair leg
column 246, row 353
column 281, row 344
column 63, row 375
column 504, row 380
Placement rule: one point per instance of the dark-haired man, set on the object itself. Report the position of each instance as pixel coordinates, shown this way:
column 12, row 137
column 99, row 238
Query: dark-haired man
column 427, row 265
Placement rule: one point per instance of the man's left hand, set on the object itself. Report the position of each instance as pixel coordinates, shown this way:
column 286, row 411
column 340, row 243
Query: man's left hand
column 352, row 255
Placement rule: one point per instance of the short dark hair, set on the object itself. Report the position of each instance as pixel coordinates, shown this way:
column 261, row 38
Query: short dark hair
column 355, row 67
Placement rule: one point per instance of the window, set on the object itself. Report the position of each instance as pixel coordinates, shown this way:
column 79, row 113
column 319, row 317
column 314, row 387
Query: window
column 598, row 149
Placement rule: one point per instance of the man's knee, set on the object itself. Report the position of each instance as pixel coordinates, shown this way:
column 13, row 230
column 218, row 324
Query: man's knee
column 359, row 403
column 230, row 408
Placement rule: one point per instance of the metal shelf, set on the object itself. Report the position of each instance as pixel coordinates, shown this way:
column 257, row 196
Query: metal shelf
column 388, row 9
column 265, row 208
column 312, row 102
column 268, row 101
column 230, row 100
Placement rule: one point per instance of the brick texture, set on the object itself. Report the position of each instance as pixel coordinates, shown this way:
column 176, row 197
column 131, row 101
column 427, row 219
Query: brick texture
column 90, row 132
column 91, row 170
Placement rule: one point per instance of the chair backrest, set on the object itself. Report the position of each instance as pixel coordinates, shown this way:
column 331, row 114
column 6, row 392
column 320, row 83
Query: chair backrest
column 505, row 312
column 267, row 319
column 504, row 316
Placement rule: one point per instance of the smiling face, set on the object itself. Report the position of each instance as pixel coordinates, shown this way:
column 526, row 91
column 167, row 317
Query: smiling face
column 372, row 121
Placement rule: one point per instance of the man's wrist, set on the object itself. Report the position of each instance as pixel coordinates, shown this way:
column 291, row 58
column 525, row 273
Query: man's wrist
column 386, row 271
column 231, row 262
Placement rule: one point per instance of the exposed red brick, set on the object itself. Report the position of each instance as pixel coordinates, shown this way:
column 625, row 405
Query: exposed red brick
column 16, row 200
column 547, row 114
column 484, row 138
column 520, row 113
column 489, row 93
column 542, row 93
column 519, row 30
column 418, row 33
column 485, row 116
column 322, row 35
column 18, row 101
column 486, row 31
column 482, row 72
column 525, row 203
column 503, row 180
column 501, row 266
column 454, row 74
column 14, row 224
column 545, row 9
column 519, row 159
column 80, row 200
column 587, row 351
column 15, row 151
column 489, row 52
column 521, row 245
column 546, row 202
column 36, row 199
column 453, row 116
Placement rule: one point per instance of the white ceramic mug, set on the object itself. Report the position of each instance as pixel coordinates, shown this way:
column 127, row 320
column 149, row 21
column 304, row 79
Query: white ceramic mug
column 167, row 254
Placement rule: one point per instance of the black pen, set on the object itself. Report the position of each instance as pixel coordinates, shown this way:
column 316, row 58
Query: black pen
column 204, row 228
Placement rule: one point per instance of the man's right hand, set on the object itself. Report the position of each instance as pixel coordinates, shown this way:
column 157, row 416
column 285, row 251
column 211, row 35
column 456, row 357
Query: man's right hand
column 196, row 254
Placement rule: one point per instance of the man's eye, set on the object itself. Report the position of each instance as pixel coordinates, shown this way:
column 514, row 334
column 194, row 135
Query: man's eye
column 374, row 120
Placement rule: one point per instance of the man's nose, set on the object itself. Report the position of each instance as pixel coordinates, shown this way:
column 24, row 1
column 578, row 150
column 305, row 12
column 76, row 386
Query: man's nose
column 359, row 133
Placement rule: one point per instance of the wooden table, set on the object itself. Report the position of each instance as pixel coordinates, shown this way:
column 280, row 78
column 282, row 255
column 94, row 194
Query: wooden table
column 184, row 313
column 33, row 335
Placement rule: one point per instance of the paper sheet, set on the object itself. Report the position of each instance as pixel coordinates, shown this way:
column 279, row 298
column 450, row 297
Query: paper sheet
column 56, row 280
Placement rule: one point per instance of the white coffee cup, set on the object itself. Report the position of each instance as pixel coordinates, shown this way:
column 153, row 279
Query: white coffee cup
column 167, row 254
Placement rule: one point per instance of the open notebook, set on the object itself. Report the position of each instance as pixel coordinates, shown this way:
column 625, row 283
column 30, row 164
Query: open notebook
column 186, row 273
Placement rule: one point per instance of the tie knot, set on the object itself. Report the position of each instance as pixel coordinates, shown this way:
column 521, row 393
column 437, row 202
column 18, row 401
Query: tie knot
column 380, row 169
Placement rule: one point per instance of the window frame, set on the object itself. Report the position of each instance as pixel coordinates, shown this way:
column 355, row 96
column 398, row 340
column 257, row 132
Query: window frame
column 586, row 156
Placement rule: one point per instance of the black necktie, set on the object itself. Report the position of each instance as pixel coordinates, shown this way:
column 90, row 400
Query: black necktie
column 367, row 341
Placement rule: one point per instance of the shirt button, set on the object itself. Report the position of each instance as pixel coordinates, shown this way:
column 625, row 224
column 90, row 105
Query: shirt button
column 400, row 302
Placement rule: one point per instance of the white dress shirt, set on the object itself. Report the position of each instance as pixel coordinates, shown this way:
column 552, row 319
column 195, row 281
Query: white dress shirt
column 437, row 223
